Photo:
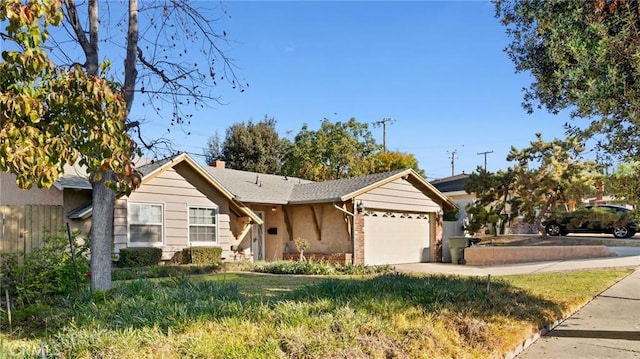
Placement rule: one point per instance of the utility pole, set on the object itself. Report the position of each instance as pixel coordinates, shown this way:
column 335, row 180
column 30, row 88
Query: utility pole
column 383, row 123
column 453, row 162
column 485, row 153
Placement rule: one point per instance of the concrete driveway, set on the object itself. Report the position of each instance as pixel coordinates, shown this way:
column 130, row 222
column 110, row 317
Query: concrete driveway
column 628, row 257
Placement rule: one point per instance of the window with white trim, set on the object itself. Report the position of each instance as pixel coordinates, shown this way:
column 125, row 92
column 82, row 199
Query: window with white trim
column 146, row 223
column 203, row 224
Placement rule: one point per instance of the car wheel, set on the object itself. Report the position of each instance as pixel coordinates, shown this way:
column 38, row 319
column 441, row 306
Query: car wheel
column 621, row 232
column 553, row 229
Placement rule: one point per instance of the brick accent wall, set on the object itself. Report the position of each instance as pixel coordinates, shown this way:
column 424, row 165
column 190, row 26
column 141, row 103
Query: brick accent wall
column 436, row 237
column 359, row 239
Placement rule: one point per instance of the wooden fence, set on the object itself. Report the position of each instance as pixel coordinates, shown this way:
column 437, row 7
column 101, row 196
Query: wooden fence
column 22, row 228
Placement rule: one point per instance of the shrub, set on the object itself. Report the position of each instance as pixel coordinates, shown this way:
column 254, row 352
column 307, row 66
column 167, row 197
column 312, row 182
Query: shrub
column 313, row 267
column 162, row 271
column 298, row 267
column 45, row 272
column 202, row 255
column 139, row 257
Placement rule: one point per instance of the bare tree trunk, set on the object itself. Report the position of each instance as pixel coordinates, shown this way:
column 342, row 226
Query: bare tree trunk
column 130, row 71
column 102, row 233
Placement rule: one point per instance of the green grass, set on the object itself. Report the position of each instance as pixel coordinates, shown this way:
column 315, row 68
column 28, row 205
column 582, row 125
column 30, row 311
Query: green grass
column 245, row 315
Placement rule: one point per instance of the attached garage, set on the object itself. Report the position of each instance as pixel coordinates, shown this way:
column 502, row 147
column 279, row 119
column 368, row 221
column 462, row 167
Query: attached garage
column 394, row 237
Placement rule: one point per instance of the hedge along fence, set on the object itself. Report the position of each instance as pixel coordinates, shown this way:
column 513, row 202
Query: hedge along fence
column 202, row 255
column 24, row 227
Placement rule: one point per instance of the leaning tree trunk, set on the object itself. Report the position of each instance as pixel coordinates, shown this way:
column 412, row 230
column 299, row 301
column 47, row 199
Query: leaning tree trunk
column 102, row 233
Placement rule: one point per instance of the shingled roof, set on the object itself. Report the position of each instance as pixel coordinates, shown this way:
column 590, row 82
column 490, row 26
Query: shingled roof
column 336, row 190
column 451, row 184
column 256, row 187
column 253, row 187
column 76, row 177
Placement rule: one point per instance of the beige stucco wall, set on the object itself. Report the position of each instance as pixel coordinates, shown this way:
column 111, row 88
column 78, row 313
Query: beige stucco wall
column 333, row 237
column 11, row 194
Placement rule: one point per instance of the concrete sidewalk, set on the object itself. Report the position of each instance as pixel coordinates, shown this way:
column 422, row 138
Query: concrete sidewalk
column 607, row 327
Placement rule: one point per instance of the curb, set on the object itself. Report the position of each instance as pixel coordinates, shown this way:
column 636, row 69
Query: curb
column 532, row 339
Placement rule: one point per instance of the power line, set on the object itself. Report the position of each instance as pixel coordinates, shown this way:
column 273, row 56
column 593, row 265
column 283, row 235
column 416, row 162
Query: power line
column 453, row 162
column 383, row 123
column 485, row 153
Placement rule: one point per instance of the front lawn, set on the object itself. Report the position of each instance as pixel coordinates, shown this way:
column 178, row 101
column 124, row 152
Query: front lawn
column 245, row 315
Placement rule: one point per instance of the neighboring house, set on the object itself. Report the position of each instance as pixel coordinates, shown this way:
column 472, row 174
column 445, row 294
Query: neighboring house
column 453, row 187
column 385, row 218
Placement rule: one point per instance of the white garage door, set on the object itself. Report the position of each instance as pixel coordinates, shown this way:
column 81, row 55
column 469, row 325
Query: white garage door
column 392, row 238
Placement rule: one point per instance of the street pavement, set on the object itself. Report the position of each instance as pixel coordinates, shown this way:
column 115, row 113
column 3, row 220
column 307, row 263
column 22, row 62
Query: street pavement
column 607, row 327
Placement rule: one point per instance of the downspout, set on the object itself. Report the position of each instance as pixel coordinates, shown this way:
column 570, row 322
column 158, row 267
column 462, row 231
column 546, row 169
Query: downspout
column 353, row 230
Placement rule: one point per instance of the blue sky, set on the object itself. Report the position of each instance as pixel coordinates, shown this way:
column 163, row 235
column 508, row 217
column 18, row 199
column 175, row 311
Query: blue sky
column 437, row 68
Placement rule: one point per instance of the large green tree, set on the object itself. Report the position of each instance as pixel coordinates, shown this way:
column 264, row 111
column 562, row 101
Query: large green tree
column 623, row 183
column 52, row 115
column 152, row 41
column 336, row 150
column 495, row 203
column 248, row 146
column 547, row 174
column 386, row 161
column 583, row 56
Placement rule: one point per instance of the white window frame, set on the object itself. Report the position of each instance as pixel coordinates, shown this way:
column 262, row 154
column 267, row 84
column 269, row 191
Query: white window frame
column 216, row 225
column 161, row 224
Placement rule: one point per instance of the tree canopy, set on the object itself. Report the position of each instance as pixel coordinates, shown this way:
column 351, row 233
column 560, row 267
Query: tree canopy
column 64, row 106
column 494, row 199
column 623, row 183
column 387, row 161
column 583, row 58
column 248, row 146
column 547, row 174
column 336, row 150
column 54, row 116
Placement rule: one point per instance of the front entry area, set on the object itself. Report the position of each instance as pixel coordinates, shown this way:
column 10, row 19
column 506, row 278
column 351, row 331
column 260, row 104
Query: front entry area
column 392, row 238
column 257, row 239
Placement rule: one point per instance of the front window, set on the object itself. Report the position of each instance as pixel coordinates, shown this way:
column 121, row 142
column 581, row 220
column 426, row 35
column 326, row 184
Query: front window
column 145, row 223
column 203, row 225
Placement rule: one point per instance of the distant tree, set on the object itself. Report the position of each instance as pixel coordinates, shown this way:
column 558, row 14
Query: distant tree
column 391, row 161
column 494, row 199
column 249, row 147
column 336, row 150
column 550, row 173
column 583, row 56
column 624, row 182
column 213, row 152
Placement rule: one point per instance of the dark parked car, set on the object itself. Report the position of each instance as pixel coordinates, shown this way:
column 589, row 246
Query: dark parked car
column 594, row 219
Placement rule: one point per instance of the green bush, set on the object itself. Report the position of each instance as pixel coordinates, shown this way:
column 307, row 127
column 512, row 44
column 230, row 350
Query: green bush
column 45, row 272
column 163, row 271
column 139, row 257
column 313, row 267
column 202, row 255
